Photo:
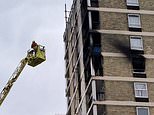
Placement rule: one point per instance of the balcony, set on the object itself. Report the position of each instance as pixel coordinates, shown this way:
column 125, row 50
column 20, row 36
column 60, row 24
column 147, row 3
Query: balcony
column 95, row 93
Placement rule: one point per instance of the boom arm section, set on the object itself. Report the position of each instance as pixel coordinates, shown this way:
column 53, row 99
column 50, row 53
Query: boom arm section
column 12, row 79
column 34, row 58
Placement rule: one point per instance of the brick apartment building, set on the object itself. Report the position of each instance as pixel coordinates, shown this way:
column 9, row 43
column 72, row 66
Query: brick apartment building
column 109, row 54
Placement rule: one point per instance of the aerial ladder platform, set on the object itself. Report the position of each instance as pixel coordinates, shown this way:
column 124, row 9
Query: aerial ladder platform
column 34, row 57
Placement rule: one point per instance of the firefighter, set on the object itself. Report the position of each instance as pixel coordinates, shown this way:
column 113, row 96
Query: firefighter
column 34, row 46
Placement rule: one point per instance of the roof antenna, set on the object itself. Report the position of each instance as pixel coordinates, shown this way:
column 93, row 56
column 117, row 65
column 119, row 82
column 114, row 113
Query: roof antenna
column 65, row 13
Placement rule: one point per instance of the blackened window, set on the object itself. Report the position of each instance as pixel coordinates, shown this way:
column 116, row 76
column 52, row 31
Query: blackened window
column 138, row 62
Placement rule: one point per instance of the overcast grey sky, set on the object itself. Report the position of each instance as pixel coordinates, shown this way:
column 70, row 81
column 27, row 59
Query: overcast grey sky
column 40, row 90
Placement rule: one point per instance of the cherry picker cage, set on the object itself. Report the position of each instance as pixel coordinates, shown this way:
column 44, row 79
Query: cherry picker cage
column 34, row 57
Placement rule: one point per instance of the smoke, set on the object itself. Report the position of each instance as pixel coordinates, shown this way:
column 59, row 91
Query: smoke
column 121, row 45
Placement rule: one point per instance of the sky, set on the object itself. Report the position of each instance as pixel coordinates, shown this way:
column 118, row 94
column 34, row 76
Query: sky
column 39, row 90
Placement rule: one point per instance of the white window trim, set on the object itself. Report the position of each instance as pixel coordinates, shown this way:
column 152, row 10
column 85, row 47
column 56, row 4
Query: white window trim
column 134, row 26
column 141, row 89
column 141, row 43
column 144, row 108
column 132, row 4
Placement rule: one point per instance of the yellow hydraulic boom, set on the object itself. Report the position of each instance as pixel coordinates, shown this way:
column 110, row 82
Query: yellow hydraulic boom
column 33, row 58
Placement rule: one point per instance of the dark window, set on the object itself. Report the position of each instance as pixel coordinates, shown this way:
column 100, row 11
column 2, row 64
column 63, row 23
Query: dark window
column 83, row 9
column 95, row 20
column 133, row 7
column 87, row 72
column 135, row 29
column 142, row 99
column 85, row 28
column 138, row 63
column 94, row 3
column 96, row 54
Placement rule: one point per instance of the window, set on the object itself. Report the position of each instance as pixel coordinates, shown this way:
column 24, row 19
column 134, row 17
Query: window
column 142, row 110
column 132, row 3
column 138, row 63
column 140, row 90
column 134, row 21
column 136, row 43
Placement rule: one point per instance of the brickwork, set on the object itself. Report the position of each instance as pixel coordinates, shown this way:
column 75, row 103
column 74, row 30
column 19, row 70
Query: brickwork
column 115, row 43
column 146, row 4
column 148, row 45
column 115, row 66
column 147, row 23
column 119, row 21
column 119, row 91
column 124, row 110
column 120, row 110
column 113, row 21
column 112, row 3
column 109, row 44
column 151, row 92
column 149, row 68
column 151, row 110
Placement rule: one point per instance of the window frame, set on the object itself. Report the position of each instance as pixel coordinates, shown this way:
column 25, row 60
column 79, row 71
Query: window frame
column 129, row 22
column 146, row 89
column 132, row 4
column 141, row 42
column 137, row 108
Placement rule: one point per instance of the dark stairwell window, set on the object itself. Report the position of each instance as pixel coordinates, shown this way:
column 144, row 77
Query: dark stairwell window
column 96, row 55
column 94, row 3
column 95, row 20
